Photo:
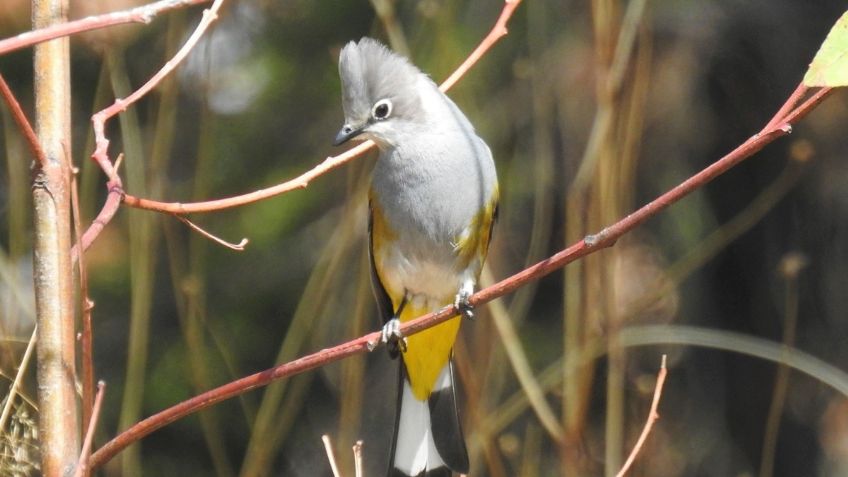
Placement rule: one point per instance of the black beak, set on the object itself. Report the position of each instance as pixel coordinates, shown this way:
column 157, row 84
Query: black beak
column 347, row 133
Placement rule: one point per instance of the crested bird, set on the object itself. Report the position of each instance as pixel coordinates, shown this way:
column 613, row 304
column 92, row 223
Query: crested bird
column 433, row 203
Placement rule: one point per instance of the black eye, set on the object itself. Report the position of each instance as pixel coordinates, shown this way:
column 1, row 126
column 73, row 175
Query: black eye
column 382, row 109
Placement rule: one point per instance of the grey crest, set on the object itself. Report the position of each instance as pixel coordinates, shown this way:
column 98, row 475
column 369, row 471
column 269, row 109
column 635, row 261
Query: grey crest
column 370, row 72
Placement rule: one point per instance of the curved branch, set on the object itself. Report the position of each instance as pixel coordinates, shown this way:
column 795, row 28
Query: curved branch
column 605, row 238
column 99, row 119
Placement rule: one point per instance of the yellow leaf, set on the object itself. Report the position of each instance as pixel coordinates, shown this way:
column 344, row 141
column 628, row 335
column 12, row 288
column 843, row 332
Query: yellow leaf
column 830, row 66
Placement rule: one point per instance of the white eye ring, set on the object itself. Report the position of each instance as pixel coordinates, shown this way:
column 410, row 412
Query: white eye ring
column 382, row 109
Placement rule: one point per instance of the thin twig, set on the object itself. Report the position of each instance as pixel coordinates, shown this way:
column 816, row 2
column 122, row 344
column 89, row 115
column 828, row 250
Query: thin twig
column 796, row 96
column 101, row 155
column 107, row 212
column 331, row 456
column 19, row 376
column 100, row 118
column 22, row 121
column 494, row 35
column 143, row 14
column 82, row 466
column 85, row 336
column 649, row 423
column 232, row 246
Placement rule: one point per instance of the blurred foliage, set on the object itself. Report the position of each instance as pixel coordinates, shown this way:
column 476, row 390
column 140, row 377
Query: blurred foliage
column 258, row 102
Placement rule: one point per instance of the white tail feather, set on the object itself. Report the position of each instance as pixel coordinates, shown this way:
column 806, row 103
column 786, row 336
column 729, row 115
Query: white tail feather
column 415, row 450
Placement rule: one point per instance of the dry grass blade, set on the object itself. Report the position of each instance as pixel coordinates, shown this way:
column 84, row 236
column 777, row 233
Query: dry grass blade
column 16, row 384
column 331, row 456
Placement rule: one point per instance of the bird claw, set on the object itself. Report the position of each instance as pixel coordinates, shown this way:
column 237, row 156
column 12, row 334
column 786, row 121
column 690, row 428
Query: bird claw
column 462, row 305
column 393, row 338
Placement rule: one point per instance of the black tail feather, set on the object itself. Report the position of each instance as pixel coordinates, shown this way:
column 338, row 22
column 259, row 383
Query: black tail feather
column 446, row 427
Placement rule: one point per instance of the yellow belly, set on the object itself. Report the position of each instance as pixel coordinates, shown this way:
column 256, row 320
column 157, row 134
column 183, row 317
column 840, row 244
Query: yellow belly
column 427, row 352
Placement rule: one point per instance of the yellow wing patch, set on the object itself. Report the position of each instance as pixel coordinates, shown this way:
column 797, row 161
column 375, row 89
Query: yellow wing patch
column 474, row 242
column 381, row 236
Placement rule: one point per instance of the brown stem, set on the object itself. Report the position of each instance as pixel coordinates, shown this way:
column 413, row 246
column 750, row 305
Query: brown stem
column 83, row 469
column 85, row 336
column 52, row 269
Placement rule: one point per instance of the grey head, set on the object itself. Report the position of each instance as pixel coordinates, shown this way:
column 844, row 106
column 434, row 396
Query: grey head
column 380, row 92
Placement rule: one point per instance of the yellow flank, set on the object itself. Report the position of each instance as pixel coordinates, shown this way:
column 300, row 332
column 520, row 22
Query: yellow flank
column 427, row 352
column 475, row 243
column 381, row 233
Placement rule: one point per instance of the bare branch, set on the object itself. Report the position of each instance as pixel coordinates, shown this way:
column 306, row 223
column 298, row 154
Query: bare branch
column 101, row 154
column 22, row 121
column 142, row 14
column 82, row 465
column 498, row 31
column 121, row 104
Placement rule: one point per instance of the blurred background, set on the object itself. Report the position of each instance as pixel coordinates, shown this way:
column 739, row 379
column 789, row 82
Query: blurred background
column 591, row 108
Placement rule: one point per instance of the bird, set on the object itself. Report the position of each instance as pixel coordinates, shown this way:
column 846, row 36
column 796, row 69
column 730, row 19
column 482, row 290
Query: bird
column 433, row 203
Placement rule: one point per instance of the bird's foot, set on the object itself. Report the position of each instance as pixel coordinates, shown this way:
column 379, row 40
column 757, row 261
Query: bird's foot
column 392, row 337
column 462, row 304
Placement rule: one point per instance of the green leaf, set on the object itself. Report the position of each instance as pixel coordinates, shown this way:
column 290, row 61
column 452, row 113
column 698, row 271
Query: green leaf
column 830, row 66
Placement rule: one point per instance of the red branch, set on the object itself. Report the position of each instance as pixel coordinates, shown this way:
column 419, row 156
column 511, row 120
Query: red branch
column 649, row 423
column 22, row 122
column 121, row 104
column 498, row 31
column 99, row 119
column 143, row 14
column 83, row 466
column 605, row 238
